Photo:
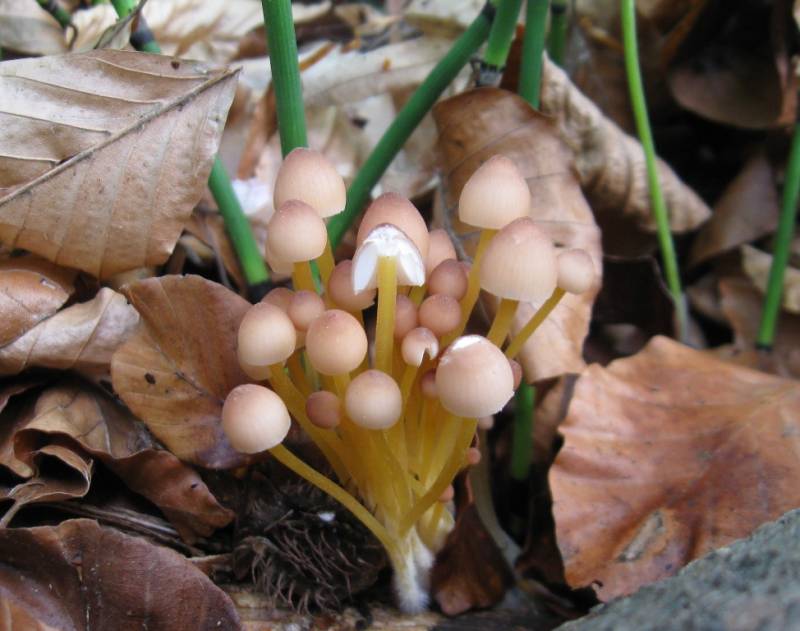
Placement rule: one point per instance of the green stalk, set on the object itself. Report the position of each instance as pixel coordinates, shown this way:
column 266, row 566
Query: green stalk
column 282, row 45
column 639, row 104
column 783, row 240
column 60, row 14
column 557, row 40
column 530, row 73
column 219, row 182
column 521, row 441
column 407, row 120
column 501, row 34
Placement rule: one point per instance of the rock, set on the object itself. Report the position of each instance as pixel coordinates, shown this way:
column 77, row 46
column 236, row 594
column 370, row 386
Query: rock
column 751, row 585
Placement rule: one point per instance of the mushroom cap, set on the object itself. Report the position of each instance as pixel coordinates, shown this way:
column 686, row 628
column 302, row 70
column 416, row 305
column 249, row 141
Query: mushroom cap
column 266, row 337
column 296, row 233
column 308, row 176
column 254, row 419
column 440, row 248
column 405, row 316
column 474, row 378
column 277, row 265
column 495, row 195
column 417, row 343
column 323, row 409
column 440, row 313
column 373, row 400
column 336, row 343
column 280, row 297
column 396, row 210
column 448, row 278
column 387, row 240
column 340, row 289
column 304, row 308
column 516, row 370
column 520, row 263
column 575, row 271
column 427, row 385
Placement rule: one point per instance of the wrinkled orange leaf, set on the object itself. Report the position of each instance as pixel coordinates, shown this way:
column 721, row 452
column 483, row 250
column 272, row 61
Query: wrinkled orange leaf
column 478, row 124
column 104, row 176
column 176, row 370
column 80, row 576
column 667, row 455
column 81, row 337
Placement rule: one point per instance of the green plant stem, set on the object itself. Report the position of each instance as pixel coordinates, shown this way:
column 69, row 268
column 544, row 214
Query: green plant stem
column 282, row 46
column 219, row 182
column 60, row 14
column 530, row 73
column 407, row 120
column 501, row 33
column 557, row 40
column 522, row 442
column 639, row 105
column 780, row 253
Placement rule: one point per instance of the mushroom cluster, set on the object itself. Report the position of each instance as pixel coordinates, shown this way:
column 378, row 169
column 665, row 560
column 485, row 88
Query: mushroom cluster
column 395, row 430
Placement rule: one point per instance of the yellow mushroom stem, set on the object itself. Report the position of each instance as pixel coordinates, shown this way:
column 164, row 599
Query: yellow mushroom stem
column 445, row 477
column 417, row 294
column 517, row 342
column 292, row 462
column 326, row 263
column 387, row 299
column 302, row 278
column 473, row 287
column 501, row 324
column 298, row 375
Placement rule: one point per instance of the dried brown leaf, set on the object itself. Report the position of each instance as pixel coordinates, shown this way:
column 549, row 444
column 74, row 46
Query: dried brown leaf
column 81, row 337
column 477, row 124
column 31, row 290
column 175, row 372
column 103, row 177
column 80, row 576
column 757, row 264
column 667, row 455
column 27, row 28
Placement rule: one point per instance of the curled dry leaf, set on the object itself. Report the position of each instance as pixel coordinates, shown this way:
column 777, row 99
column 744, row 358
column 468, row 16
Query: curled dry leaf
column 81, row 337
column 27, row 28
column 477, row 124
column 31, row 290
column 176, row 370
column 89, row 422
column 63, row 577
column 667, row 455
column 113, row 194
column 757, row 264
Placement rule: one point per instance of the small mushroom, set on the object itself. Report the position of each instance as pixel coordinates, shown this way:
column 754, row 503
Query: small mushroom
column 308, row 176
column 324, row 409
column 336, row 343
column 373, row 400
column 254, row 419
column 396, row 210
column 266, row 337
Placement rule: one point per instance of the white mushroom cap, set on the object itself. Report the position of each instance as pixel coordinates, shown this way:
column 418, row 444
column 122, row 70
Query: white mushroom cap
column 416, row 344
column 266, row 337
column 373, row 400
column 254, row 419
column 340, row 289
column 474, row 378
column 308, row 176
column 440, row 248
column 520, row 263
column 336, row 343
column 397, row 211
column 387, row 240
column 575, row 271
column 323, row 409
column 495, row 195
column 296, row 233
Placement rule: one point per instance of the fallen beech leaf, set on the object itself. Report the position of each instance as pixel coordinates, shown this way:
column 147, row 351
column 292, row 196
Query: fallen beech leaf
column 90, row 421
column 667, row 455
column 80, row 576
column 176, row 371
column 757, row 264
column 31, row 290
column 746, row 211
column 480, row 123
column 112, row 195
column 27, row 28
column 81, row 337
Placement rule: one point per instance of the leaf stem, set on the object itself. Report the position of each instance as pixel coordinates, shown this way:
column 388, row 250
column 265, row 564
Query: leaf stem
column 530, row 73
column 501, row 34
column 282, row 45
column 557, row 40
column 407, row 120
column 236, row 223
column 783, row 240
column 521, row 442
column 639, row 105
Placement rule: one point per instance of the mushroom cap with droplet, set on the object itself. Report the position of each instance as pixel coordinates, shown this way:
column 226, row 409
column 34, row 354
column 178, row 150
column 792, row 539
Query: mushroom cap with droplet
column 336, row 343
column 323, row 409
column 575, row 271
column 296, row 233
column 396, row 210
column 304, row 308
column 308, row 176
column 520, row 263
column 495, row 195
column 254, row 419
column 340, row 289
column 416, row 344
column 266, row 337
column 440, row 248
column 474, row 378
column 373, row 400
